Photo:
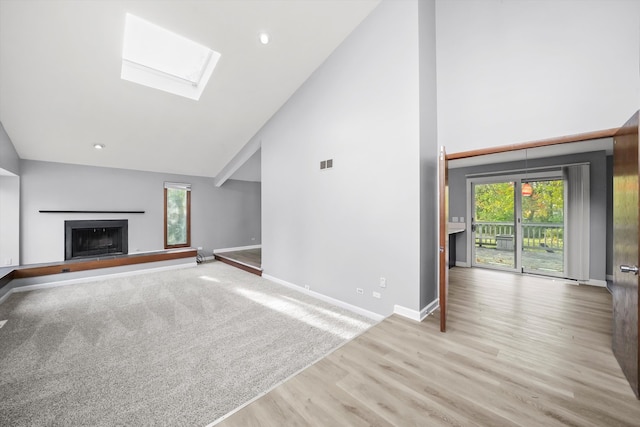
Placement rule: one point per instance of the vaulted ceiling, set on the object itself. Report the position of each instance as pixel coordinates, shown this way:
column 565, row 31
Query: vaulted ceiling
column 61, row 91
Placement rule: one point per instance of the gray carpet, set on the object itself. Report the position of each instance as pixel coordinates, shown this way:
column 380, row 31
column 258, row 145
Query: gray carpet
column 181, row 347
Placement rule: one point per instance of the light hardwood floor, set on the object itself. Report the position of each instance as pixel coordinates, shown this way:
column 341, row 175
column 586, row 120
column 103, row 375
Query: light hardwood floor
column 520, row 350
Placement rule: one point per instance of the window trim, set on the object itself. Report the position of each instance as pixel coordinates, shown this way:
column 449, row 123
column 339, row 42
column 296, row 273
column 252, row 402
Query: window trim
column 187, row 188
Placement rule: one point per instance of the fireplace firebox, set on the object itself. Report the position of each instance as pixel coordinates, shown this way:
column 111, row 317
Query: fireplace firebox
column 84, row 239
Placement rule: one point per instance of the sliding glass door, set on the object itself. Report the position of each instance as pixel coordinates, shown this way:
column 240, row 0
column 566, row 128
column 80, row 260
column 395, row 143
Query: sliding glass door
column 517, row 223
column 543, row 227
column 493, row 225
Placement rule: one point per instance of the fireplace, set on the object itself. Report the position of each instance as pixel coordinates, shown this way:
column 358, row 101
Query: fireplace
column 84, row 239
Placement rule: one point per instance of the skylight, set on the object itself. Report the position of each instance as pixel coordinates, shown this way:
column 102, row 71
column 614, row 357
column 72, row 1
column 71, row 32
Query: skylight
column 155, row 57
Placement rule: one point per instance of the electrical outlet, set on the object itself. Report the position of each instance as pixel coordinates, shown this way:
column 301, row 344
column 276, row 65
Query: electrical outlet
column 376, row 294
column 383, row 282
column 454, row 219
column 461, row 219
column 360, row 291
column 199, row 248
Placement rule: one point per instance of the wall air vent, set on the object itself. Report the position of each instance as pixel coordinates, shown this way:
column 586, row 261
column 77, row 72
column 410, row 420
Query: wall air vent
column 326, row 164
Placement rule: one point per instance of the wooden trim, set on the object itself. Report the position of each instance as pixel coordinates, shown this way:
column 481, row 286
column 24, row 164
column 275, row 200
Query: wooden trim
column 188, row 218
column 185, row 245
column 443, row 236
column 93, row 264
column 606, row 133
column 238, row 265
column 165, row 218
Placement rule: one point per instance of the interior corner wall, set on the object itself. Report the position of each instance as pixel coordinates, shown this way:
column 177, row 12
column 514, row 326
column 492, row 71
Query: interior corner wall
column 339, row 229
column 9, row 202
column 227, row 216
column 428, row 154
column 9, row 159
column 515, row 71
column 9, row 221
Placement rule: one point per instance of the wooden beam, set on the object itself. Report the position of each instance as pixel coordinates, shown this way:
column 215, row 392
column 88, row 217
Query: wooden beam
column 580, row 137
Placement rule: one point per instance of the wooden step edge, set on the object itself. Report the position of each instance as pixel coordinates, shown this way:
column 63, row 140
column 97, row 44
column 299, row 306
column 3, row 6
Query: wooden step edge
column 93, row 264
column 248, row 268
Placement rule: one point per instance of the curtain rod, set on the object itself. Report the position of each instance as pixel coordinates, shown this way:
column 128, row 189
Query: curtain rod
column 536, row 169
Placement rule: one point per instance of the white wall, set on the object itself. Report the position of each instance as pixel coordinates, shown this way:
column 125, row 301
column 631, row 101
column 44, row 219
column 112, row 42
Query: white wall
column 9, row 201
column 344, row 228
column 428, row 154
column 228, row 216
column 519, row 70
column 9, row 220
column 250, row 169
column 9, row 160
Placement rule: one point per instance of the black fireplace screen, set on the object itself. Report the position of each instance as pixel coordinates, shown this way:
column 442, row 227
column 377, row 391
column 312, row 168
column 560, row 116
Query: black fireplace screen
column 94, row 238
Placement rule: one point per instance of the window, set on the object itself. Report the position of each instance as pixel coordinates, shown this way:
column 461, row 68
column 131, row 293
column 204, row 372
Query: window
column 177, row 215
column 155, row 57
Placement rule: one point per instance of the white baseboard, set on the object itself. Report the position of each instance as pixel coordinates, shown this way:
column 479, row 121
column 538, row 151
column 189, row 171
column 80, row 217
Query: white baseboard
column 406, row 312
column 610, row 277
column 416, row 315
column 370, row 314
column 87, row 279
column 462, row 264
column 595, row 282
column 6, row 295
column 430, row 308
column 239, row 248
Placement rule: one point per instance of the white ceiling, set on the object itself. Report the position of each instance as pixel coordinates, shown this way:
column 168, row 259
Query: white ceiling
column 61, row 92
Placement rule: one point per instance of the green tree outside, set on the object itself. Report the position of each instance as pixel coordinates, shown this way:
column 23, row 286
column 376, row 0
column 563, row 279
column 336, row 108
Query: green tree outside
column 176, row 216
column 546, row 203
column 495, row 202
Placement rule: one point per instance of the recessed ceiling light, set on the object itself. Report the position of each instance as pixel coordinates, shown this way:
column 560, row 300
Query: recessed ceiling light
column 98, row 146
column 264, row 38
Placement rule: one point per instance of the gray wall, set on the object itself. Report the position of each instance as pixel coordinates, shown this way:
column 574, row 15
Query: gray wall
column 9, row 159
column 598, row 195
column 344, row 228
column 9, row 221
column 9, row 202
column 428, row 154
column 228, row 216
column 610, row 216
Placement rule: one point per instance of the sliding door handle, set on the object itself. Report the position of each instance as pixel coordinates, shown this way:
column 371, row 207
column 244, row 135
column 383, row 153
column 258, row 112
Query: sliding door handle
column 629, row 269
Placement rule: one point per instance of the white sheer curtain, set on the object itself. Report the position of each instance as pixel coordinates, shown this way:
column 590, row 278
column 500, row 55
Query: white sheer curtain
column 577, row 214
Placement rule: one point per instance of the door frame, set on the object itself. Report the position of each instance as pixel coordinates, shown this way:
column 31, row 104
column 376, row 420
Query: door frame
column 442, row 201
column 540, row 174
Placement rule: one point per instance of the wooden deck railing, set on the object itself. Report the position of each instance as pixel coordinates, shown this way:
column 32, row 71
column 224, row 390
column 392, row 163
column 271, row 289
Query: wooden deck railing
column 549, row 236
